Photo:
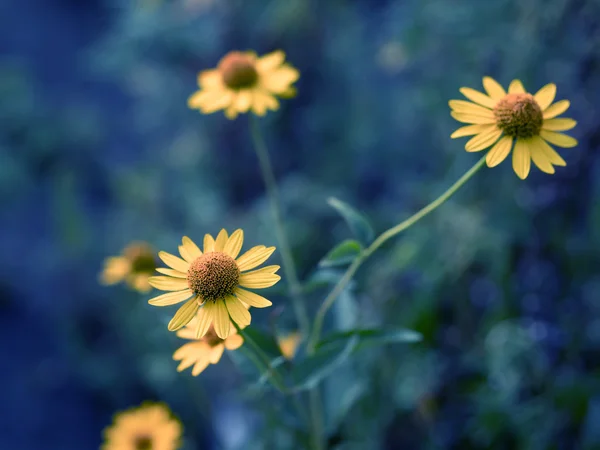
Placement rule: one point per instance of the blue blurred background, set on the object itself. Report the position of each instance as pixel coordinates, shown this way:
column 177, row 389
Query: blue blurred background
column 98, row 148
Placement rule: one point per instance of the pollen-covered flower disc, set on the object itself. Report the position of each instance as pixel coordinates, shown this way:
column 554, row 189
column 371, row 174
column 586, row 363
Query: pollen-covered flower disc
column 134, row 266
column 148, row 427
column 515, row 120
column 244, row 82
column 211, row 283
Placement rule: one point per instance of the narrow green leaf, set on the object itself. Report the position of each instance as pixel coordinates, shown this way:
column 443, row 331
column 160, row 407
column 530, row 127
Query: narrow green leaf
column 372, row 336
column 265, row 341
column 309, row 372
column 358, row 223
column 342, row 254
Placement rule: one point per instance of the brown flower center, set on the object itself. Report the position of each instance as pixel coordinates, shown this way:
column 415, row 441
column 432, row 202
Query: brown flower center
column 141, row 257
column 238, row 70
column 519, row 116
column 211, row 337
column 143, row 443
column 213, row 276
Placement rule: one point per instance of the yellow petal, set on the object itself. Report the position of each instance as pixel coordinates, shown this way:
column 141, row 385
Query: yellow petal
column 221, row 319
column 470, row 118
column 470, row 130
column 470, row 108
column 545, row 96
column 192, row 249
column 516, row 87
column 215, row 353
column 172, row 273
column 478, row 97
column 184, row 315
column 559, row 139
column 205, row 319
column 558, row 124
column 237, row 312
column 174, row 262
column 493, row 88
column 168, row 283
column 220, row 100
column 557, row 109
column 233, row 342
column 289, row 344
column 221, row 240
column 258, row 279
column 242, row 101
column 262, row 101
column 539, row 158
column 252, row 299
column 200, row 366
column 210, row 79
column 209, row 243
column 483, row 140
column 254, row 257
column 499, row 152
column 171, row 298
column 279, row 80
column 234, row 243
column 270, row 61
column 185, row 255
column 231, row 113
column 521, row 158
column 550, row 153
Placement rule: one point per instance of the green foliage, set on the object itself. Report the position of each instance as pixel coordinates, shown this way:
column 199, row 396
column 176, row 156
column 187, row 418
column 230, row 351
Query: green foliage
column 342, row 254
column 358, row 223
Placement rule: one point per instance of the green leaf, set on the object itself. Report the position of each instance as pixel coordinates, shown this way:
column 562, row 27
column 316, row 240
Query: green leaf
column 342, row 254
column 358, row 223
column 372, row 336
column 265, row 341
column 309, row 372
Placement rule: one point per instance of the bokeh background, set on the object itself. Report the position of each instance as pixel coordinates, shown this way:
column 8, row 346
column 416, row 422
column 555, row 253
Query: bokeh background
column 98, row 148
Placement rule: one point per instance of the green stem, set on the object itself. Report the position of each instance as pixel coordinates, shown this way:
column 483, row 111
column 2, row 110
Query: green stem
column 289, row 267
column 316, row 422
column 381, row 239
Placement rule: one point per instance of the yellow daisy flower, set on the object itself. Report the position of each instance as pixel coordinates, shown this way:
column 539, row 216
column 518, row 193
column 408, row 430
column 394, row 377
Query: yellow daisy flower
column 243, row 82
column 134, row 266
column 214, row 280
column 206, row 350
column 289, row 344
column 148, row 427
column 502, row 119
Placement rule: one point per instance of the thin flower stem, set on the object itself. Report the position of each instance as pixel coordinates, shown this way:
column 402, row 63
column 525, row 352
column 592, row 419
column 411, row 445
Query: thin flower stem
column 288, row 261
column 381, row 239
column 316, row 419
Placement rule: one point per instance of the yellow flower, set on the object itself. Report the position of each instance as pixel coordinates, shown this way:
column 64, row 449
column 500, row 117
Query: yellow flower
column 214, row 280
column 206, row 350
column 289, row 344
column 502, row 119
column 134, row 266
column 243, row 82
column 148, row 427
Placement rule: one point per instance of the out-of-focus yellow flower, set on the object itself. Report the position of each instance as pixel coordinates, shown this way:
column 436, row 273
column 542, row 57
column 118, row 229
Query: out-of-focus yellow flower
column 134, row 266
column 243, row 82
column 288, row 344
column 502, row 119
column 214, row 280
column 206, row 350
column 150, row 426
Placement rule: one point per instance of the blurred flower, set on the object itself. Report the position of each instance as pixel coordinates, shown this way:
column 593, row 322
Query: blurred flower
column 150, row 426
column 528, row 121
column 206, row 350
column 243, row 82
column 214, row 279
column 289, row 344
column 134, row 266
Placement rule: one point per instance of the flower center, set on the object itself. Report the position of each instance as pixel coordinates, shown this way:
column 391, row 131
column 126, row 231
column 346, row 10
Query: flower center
column 211, row 337
column 143, row 443
column 141, row 258
column 213, row 276
column 238, row 70
column 519, row 116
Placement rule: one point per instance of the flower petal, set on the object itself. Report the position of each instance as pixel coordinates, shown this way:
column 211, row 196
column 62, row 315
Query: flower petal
column 483, row 140
column 184, row 315
column 221, row 319
column 559, row 124
column 210, row 79
column 209, row 243
column 263, row 101
column 237, row 312
column 545, row 96
column 234, row 243
column 270, row 61
column 215, row 353
column 516, row 87
column 259, row 279
column 185, row 255
column 168, row 283
column 493, row 88
column 478, row 97
column 254, row 257
column 462, row 106
column 499, row 152
column 205, row 319
column 279, row 80
column 252, row 299
column 470, row 118
column 557, row 109
column 192, row 249
column 200, row 366
column 550, row 153
column 221, row 240
column 470, row 130
column 559, row 139
column 242, row 101
column 539, row 157
column 171, row 273
column 233, row 342
column 522, row 158
column 220, row 100
column 174, row 262
column 171, row 298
